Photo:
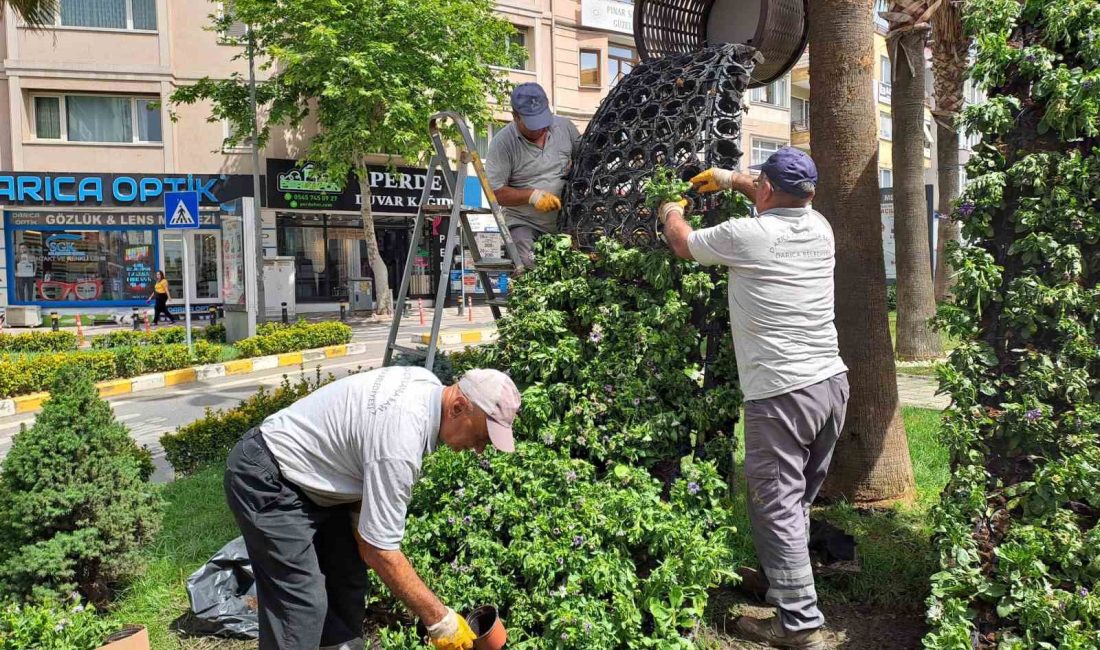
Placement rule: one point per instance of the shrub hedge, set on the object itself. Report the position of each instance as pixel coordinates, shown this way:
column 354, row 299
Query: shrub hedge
column 20, row 375
column 276, row 338
column 38, row 342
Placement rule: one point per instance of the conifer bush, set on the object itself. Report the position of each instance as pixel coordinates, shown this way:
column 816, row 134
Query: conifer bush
column 75, row 508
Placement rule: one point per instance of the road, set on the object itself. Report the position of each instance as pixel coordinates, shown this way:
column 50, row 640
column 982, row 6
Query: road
column 149, row 415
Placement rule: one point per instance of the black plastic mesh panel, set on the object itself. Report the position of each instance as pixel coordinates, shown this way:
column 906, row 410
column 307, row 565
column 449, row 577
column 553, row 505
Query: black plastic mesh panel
column 681, row 111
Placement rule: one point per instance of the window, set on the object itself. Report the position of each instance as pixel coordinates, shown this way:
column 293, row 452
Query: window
column 483, row 136
column 518, row 49
column 233, row 33
column 881, row 6
column 82, row 265
column 243, row 146
column 800, row 114
column 885, row 126
column 885, row 71
column 885, row 178
column 929, row 138
column 590, row 68
column 97, row 118
column 620, row 61
column 774, row 93
column 108, row 14
column 762, row 149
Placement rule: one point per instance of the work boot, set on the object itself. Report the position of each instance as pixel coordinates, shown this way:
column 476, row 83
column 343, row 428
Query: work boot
column 754, row 583
column 768, row 631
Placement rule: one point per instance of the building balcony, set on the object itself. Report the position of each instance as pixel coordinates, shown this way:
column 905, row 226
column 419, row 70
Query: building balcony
column 800, row 133
column 800, row 74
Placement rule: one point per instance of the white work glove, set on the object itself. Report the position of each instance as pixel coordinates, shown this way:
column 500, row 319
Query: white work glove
column 713, row 180
column 452, row 632
column 667, row 209
column 544, row 201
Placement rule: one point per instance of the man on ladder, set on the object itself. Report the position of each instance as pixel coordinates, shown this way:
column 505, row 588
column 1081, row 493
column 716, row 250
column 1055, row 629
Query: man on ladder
column 526, row 167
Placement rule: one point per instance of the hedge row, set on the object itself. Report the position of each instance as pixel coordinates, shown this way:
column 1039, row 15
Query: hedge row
column 208, row 440
column 276, row 338
column 23, row 375
column 167, row 335
column 38, row 342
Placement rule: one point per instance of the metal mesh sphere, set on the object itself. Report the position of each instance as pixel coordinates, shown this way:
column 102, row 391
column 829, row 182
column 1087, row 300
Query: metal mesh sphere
column 682, row 112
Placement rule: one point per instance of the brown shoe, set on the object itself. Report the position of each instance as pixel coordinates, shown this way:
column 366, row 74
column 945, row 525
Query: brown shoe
column 768, row 631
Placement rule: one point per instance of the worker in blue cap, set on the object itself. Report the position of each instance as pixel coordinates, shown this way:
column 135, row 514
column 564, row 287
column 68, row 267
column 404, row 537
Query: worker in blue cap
column 526, row 167
column 788, row 361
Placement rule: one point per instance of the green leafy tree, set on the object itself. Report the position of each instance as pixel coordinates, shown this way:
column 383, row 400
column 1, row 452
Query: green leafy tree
column 1017, row 530
column 75, row 507
column 35, row 13
column 369, row 73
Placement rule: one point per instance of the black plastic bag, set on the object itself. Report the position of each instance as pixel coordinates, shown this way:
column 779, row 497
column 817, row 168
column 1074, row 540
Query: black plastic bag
column 223, row 596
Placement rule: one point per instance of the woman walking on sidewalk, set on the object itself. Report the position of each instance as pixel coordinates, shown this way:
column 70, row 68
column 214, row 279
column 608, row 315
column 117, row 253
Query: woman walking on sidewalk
column 160, row 294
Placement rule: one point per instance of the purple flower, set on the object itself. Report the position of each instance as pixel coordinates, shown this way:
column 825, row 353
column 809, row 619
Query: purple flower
column 1089, row 83
column 485, row 464
column 587, row 627
column 467, row 520
column 596, row 335
column 1030, row 58
column 557, row 531
column 578, row 541
column 693, row 488
column 1034, row 415
column 561, row 561
column 1082, row 592
column 548, row 439
column 564, row 636
column 570, row 476
column 608, row 388
column 451, row 521
column 967, row 209
column 637, row 401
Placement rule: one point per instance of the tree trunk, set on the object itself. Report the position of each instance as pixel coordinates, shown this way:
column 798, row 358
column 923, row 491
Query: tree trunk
column 383, row 293
column 947, row 156
column 916, row 300
column 950, row 52
column 871, row 462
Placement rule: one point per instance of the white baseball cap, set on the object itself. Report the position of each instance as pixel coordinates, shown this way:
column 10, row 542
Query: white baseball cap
column 495, row 393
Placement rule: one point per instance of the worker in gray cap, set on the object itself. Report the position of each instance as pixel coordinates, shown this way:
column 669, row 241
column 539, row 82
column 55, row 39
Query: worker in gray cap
column 320, row 491
column 788, row 362
column 526, row 166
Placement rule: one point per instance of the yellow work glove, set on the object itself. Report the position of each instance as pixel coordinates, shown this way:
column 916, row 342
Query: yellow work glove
column 451, row 633
column 713, row 180
column 544, row 201
column 668, row 208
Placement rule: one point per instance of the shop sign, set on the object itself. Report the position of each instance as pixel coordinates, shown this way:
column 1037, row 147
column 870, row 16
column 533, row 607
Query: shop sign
column 135, row 219
column 609, row 15
column 300, row 186
column 116, row 190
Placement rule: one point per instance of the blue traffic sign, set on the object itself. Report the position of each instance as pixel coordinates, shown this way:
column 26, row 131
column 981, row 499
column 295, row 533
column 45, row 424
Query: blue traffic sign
column 181, row 210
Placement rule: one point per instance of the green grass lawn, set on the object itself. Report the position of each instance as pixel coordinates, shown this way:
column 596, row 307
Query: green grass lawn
column 893, row 544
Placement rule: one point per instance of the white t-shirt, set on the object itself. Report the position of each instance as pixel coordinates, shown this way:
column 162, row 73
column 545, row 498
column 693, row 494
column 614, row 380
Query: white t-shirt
column 363, row 437
column 781, row 297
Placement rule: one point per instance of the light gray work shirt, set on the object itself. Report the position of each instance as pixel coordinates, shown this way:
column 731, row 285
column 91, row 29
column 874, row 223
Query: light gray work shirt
column 780, row 296
column 515, row 161
column 364, row 438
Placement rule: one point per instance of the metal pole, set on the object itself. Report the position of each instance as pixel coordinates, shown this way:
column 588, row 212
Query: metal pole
column 187, row 294
column 261, row 304
column 462, row 275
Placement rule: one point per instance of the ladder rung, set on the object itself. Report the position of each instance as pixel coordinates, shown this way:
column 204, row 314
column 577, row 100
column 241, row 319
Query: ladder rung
column 415, row 352
column 469, row 210
column 497, row 302
column 494, row 264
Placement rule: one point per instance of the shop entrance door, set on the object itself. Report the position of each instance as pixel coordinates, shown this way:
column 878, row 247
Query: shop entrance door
column 205, row 249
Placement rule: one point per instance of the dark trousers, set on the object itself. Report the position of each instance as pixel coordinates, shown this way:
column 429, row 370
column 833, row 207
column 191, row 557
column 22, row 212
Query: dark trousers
column 160, row 306
column 311, row 583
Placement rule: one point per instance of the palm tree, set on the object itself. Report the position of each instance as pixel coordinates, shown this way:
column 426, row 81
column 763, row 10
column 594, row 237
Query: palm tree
column 35, row 13
column 871, row 462
column 950, row 50
column 909, row 29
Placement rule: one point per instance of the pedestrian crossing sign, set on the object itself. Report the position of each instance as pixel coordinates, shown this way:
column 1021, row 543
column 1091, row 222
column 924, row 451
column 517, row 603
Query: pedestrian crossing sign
column 181, row 210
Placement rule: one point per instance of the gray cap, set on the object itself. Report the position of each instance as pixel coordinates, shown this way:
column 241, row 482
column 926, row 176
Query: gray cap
column 529, row 101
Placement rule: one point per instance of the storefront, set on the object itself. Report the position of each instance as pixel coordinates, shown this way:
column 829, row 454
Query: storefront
column 319, row 224
column 93, row 242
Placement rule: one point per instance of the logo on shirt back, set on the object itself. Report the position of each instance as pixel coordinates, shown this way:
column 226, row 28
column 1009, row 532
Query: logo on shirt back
column 802, row 244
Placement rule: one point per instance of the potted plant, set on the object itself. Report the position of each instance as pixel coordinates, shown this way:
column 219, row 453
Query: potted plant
column 131, row 637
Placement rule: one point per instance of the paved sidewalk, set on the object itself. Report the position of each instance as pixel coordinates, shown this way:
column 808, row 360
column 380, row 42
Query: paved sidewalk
column 919, row 391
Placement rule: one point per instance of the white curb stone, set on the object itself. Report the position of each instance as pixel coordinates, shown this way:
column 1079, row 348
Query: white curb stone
column 210, row 372
column 265, row 363
column 147, row 382
column 7, row 407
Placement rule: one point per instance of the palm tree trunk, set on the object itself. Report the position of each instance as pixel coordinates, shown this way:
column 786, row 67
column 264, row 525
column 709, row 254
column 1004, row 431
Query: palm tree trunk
column 950, row 52
column 871, row 462
column 916, row 300
column 383, row 293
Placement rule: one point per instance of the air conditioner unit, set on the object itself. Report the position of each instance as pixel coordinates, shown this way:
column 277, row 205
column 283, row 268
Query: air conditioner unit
column 23, row 316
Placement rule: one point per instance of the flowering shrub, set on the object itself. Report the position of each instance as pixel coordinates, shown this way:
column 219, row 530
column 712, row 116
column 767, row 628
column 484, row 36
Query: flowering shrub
column 610, row 524
column 1017, row 531
column 61, row 626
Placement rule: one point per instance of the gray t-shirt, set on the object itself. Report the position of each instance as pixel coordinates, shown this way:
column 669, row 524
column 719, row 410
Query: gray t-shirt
column 781, row 297
column 514, row 161
column 364, row 438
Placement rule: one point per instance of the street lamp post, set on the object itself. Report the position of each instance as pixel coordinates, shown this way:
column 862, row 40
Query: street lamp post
column 261, row 305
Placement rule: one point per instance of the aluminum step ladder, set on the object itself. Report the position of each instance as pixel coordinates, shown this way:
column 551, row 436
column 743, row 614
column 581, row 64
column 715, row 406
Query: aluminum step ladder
column 454, row 185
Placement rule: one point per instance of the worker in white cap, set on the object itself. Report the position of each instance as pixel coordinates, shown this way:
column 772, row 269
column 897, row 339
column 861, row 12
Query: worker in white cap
column 320, row 491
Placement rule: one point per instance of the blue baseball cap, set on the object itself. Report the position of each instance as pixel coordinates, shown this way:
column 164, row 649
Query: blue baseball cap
column 790, row 170
column 529, row 101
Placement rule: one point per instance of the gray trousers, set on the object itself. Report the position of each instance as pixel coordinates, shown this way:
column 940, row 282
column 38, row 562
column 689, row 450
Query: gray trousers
column 789, row 441
column 524, row 238
column 311, row 583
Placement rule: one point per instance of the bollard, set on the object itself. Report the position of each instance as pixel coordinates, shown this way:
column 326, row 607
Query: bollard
column 420, row 306
column 56, row 321
column 213, row 315
column 146, row 322
column 79, row 330
column 470, row 308
column 286, row 317
column 136, row 319
column 343, row 312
